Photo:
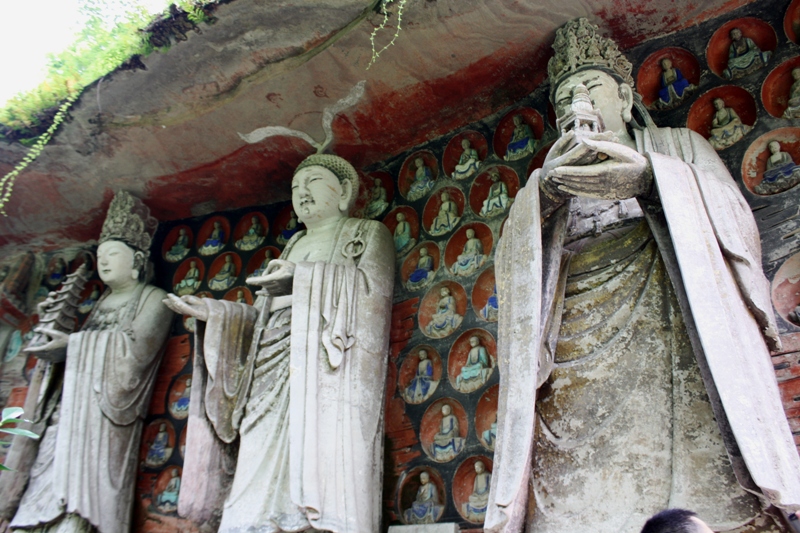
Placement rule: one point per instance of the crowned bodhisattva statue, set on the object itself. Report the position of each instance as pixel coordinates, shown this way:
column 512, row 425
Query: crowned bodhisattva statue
column 84, row 476
column 298, row 378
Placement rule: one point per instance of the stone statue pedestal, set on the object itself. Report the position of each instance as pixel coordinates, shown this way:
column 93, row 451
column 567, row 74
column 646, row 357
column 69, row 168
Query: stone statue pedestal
column 425, row 528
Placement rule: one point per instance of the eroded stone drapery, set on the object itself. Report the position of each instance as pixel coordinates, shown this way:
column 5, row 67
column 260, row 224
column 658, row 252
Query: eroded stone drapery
column 707, row 241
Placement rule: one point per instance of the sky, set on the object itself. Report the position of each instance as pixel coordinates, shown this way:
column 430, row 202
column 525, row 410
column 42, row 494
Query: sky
column 30, row 29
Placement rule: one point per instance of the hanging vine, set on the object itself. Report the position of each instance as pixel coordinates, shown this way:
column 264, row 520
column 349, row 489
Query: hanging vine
column 401, row 4
column 7, row 181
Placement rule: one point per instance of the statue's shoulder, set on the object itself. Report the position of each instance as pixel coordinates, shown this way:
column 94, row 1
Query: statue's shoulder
column 368, row 227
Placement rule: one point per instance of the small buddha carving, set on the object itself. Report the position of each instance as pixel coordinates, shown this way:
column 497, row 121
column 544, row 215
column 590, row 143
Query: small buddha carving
column 446, row 318
column 471, row 258
column 377, row 202
column 474, row 510
column 468, row 162
column 781, row 173
column 426, row 508
column 403, row 240
column 423, row 384
column 423, row 273
column 447, row 217
column 726, row 126
column 447, row 443
column 744, row 56
column 215, row 241
column 674, row 88
column 477, row 368
column 423, row 181
column 793, row 108
column 180, row 249
column 190, row 282
column 497, row 201
column 225, row 278
column 522, row 141
column 253, row 238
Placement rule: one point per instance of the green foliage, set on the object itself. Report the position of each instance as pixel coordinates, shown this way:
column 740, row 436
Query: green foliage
column 384, row 4
column 12, row 415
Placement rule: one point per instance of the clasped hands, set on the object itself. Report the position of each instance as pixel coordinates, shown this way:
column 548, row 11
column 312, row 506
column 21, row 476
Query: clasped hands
column 594, row 165
column 277, row 282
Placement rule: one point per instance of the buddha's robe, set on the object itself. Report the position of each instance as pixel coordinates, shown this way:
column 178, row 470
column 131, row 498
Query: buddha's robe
column 470, row 259
column 701, row 272
column 303, row 392
column 426, row 508
column 476, row 506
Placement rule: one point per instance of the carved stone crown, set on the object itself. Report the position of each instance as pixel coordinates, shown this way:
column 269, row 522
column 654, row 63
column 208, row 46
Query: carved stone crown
column 128, row 220
column 339, row 166
column 579, row 46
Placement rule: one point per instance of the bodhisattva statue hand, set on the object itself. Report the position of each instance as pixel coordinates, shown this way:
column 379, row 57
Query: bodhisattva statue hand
column 596, row 167
column 187, row 305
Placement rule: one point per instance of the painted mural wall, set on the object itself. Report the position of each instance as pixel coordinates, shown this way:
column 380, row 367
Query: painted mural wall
column 735, row 80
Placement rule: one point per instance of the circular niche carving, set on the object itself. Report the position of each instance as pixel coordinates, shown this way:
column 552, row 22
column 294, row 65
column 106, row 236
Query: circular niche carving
column 165, row 490
column 791, row 21
column 182, row 283
column 775, row 92
column 462, row 258
column 417, row 381
column 178, row 397
column 505, row 132
column 443, row 430
column 416, row 276
column 218, row 281
column 173, row 251
column 256, row 261
column 470, row 366
column 649, row 78
column 455, row 148
column 403, row 242
column 484, row 289
column 240, row 295
column 56, row 271
column 442, row 309
column 783, row 173
column 431, row 507
column 470, row 498
column 414, row 182
column 538, row 160
column 486, row 417
column 479, row 191
column 438, row 221
column 213, row 235
column 718, row 49
column 286, row 225
column 786, row 289
column 371, row 204
column 703, row 112
column 158, row 443
column 243, row 226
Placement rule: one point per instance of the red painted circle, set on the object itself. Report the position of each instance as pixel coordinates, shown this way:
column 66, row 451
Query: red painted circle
column 648, row 79
column 702, row 111
column 719, row 45
column 775, row 91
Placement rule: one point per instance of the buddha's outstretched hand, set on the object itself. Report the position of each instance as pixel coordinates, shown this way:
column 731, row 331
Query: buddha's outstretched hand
column 597, row 168
column 187, row 305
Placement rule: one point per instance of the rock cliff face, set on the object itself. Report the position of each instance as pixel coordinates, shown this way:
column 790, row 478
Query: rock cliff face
column 169, row 133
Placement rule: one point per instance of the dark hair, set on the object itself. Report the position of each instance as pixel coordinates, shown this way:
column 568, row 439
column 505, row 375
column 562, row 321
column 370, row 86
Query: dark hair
column 671, row 521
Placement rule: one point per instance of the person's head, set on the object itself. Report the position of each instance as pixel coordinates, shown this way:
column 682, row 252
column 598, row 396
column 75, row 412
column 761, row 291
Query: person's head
column 400, row 217
column 464, row 143
column 470, row 233
column 736, row 34
column 494, row 174
column 217, row 225
column 719, row 104
column 474, row 341
column 377, row 182
column 666, row 63
column 444, row 291
column 424, row 478
column 228, row 259
column 613, row 98
column 120, row 265
column 423, row 354
column 446, row 409
column 774, row 147
column 182, row 232
column 480, row 468
column 324, row 187
column 675, row 521
column 254, row 220
column 445, row 196
column 419, row 162
column 192, row 264
column 162, row 428
column 423, row 252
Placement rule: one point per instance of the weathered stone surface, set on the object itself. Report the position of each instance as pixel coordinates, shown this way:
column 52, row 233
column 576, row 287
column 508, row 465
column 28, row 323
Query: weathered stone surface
column 427, row 528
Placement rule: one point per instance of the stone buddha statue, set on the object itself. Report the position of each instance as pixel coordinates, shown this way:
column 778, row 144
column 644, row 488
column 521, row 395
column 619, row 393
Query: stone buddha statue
column 447, row 218
column 471, row 258
column 475, row 509
column 674, row 87
column 167, row 501
column 468, row 162
column 497, row 201
column 423, row 384
column 225, row 278
column 377, row 201
column 403, row 240
column 781, row 173
column 423, row 273
column 159, row 451
column 476, row 369
column 190, row 282
column 744, row 56
column 215, row 241
column 309, row 438
column 726, row 126
column 522, row 141
column 793, row 105
column 423, row 181
column 447, row 443
column 445, row 320
column 180, row 249
column 291, row 228
column 426, row 508
column 254, row 236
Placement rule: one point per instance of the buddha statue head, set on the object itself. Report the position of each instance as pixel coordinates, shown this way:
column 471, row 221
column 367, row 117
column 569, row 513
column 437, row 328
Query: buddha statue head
column 423, row 355
column 480, row 468
column 324, row 187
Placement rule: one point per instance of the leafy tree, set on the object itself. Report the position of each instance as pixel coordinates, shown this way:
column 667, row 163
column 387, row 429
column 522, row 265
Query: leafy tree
column 11, row 415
